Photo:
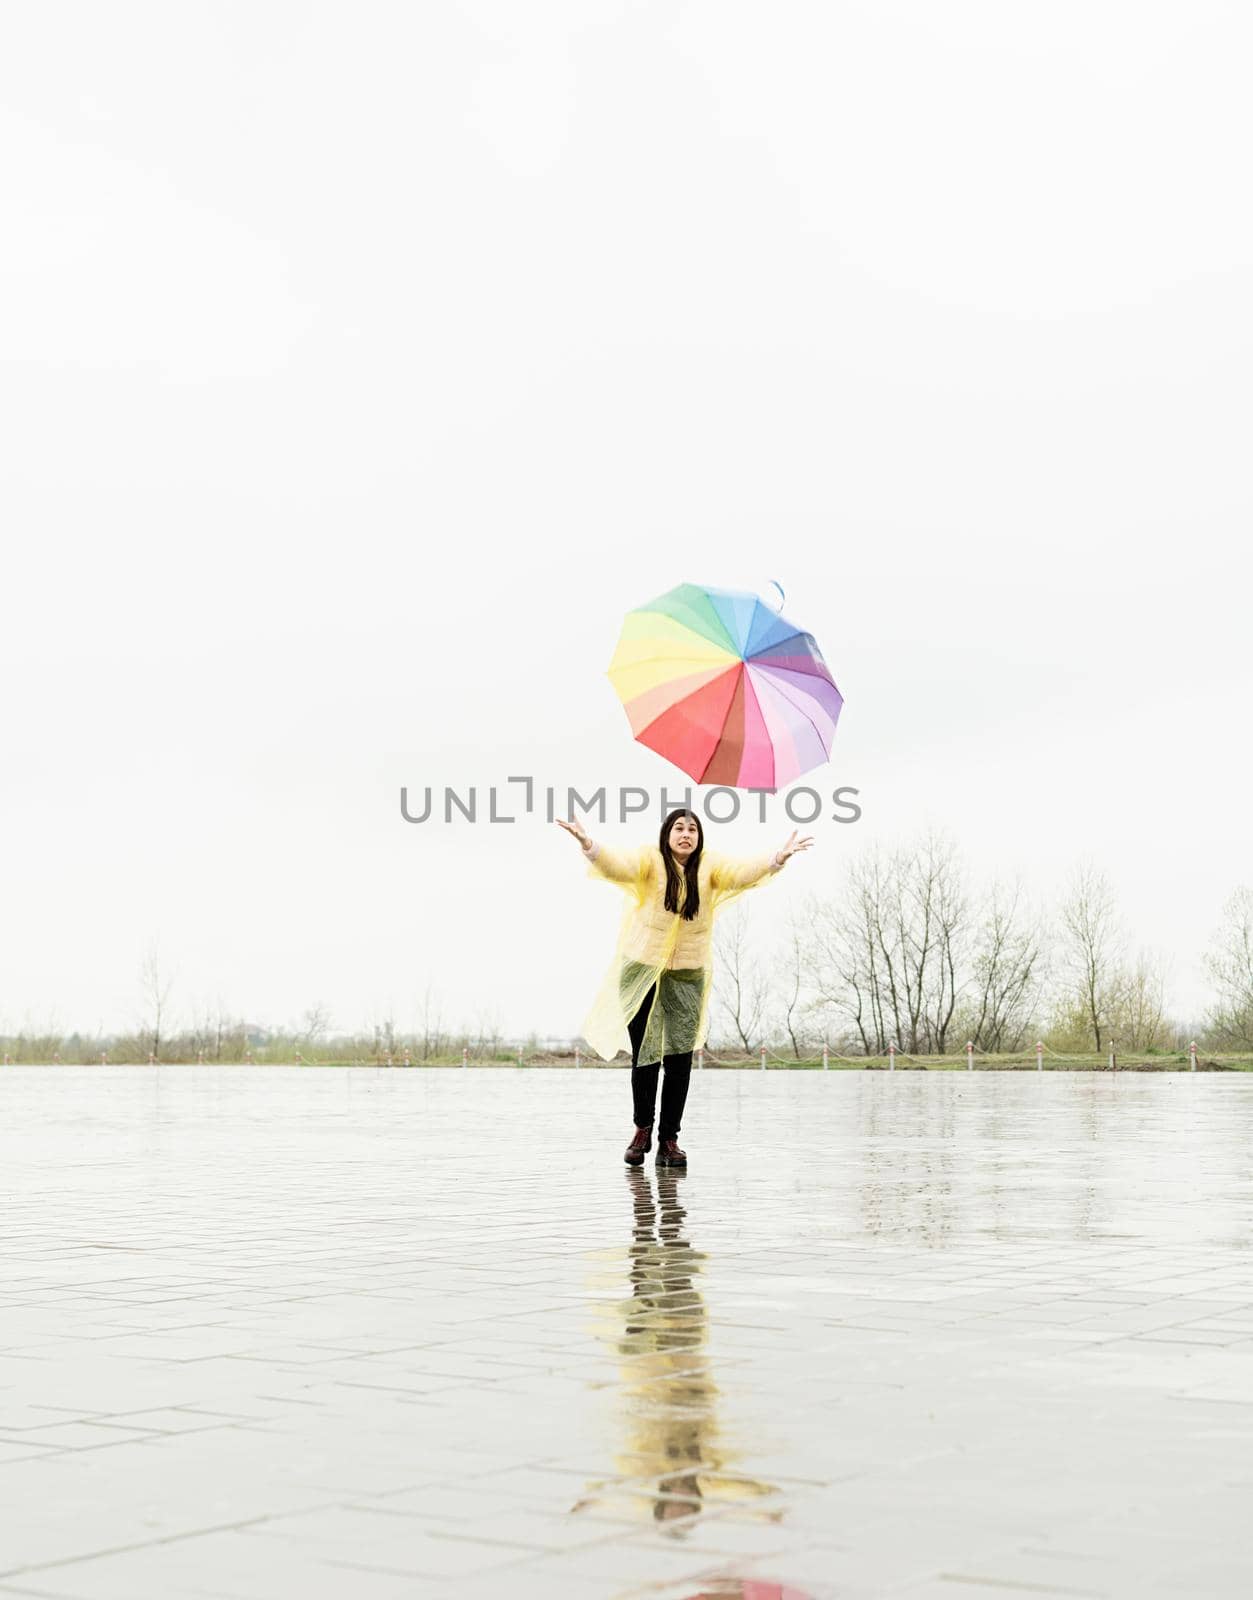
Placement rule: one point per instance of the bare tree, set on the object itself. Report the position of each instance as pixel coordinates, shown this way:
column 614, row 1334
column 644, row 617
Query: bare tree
column 432, row 1025
column 198, row 1035
column 155, row 984
column 222, row 1027
column 931, row 925
column 1140, row 1005
column 385, row 1036
column 1091, row 950
column 315, row 1025
column 888, row 955
column 790, row 970
column 483, row 1037
column 1229, row 962
column 1007, row 971
column 843, row 955
column 742, row 993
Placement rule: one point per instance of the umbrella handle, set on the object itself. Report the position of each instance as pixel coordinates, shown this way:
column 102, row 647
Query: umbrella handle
column 782, row 596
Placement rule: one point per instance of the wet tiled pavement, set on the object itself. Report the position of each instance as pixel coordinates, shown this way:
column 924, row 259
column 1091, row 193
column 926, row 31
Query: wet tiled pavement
column 270, row 1333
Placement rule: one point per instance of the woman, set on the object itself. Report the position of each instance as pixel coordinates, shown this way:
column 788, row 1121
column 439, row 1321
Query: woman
column 656, row 994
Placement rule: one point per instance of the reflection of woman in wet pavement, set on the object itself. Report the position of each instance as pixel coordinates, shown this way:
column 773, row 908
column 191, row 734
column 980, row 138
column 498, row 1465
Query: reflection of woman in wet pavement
column 661, row 1332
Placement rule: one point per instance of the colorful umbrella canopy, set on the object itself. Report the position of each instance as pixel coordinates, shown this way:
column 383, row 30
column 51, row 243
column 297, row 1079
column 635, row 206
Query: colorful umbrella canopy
column 720, row 684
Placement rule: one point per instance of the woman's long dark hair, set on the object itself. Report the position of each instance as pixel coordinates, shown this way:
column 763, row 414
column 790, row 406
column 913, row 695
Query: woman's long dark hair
column 691, row 900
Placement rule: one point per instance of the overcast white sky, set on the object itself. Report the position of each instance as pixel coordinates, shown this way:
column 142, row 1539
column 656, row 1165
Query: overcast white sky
column 363, row 364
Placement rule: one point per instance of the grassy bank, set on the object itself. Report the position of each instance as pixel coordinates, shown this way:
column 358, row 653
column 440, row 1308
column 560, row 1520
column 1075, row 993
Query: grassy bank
column 722, row 1062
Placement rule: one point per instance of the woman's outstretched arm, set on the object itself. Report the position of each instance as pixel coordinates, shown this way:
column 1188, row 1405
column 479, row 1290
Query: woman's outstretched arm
column 619, row 866
column 729, row 874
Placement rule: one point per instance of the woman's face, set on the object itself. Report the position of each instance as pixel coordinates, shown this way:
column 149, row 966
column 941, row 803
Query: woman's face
column 684, row 837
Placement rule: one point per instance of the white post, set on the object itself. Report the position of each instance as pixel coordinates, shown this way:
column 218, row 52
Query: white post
column 891, row 1058
column 519, row 1055
column 465, row 1056
column 970, row 1056
column 1192, row 1056
column 826, row 1057
column 1039, row 1055
column 578, row 1057
column 1111, row 1055
column 763, row 1058
column 700, row 1059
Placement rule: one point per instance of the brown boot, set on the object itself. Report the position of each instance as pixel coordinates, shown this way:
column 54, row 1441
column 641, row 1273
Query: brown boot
column 639, row 1147
column 669, row 1154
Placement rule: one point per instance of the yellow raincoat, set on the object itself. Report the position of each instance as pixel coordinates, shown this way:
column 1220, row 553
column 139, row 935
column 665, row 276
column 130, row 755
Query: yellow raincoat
column 659, row 946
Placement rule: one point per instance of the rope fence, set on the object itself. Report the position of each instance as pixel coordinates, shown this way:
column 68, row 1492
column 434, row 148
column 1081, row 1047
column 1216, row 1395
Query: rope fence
column 762, row 1059
column 1011, row 1060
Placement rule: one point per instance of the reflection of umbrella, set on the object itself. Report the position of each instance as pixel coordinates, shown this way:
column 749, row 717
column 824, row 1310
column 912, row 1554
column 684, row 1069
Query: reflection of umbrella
column 750, row 1589
column 719, row 683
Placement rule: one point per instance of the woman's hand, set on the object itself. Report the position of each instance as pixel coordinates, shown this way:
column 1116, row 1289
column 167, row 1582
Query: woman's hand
column 793, row 847
column 577, row 829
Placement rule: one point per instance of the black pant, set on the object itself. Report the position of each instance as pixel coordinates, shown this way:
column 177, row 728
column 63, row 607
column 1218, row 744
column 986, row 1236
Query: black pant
column 644, row 1078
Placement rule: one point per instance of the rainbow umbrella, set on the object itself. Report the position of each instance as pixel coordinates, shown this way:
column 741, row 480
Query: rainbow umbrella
column 719, row 683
